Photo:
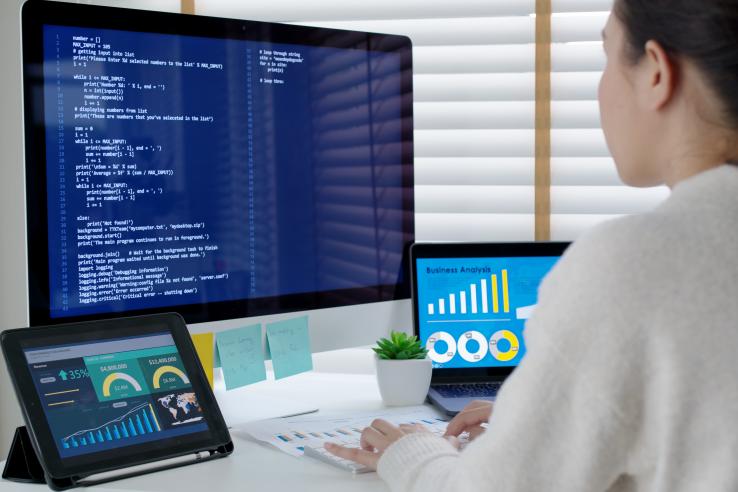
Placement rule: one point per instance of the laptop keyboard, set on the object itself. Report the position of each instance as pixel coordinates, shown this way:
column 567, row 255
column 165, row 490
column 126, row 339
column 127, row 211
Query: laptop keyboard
column 470, row 390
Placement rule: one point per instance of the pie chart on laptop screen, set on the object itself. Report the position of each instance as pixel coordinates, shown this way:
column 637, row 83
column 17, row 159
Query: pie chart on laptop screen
column 472, row 311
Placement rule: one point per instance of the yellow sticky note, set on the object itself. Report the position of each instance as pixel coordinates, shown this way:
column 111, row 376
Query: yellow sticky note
column 204, row 346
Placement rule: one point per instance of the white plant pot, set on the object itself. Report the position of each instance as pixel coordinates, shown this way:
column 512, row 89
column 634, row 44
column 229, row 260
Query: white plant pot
column 403, row 382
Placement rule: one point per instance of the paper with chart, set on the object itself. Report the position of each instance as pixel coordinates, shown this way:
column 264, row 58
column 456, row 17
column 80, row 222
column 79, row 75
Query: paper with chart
column 291, row 435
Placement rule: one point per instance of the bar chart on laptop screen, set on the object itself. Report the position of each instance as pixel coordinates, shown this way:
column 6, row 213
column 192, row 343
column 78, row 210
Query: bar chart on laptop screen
column 472, row 311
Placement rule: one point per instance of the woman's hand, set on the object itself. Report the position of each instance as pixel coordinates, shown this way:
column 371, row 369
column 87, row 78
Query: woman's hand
column 374, row 440
column 471, row 419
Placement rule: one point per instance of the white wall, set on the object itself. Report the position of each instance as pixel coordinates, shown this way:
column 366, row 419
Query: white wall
column 13, row 309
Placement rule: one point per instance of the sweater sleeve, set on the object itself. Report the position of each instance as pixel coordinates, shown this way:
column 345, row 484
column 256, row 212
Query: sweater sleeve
column 558, row 422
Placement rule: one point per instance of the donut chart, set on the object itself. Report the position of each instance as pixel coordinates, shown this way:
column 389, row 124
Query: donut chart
column 450, row 352
column 115, row 376
column 510, row 353
column 479, row 354
column 168, row 369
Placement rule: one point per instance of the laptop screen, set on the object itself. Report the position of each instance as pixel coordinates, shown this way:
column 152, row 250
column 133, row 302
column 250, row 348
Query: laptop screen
column 471, row 312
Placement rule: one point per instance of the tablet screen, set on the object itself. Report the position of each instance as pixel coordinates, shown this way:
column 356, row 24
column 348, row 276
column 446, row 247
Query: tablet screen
column 105, row 395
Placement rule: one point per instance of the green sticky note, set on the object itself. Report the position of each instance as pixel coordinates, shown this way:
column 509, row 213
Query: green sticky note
column 241, row 356
column 216, row 355
column 288, row 342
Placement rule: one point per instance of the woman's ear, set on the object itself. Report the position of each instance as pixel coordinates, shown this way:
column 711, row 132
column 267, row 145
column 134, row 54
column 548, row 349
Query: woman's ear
column 659, row 77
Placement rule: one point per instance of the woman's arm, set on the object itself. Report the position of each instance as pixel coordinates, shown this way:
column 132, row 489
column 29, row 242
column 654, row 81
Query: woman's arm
column 560, row 421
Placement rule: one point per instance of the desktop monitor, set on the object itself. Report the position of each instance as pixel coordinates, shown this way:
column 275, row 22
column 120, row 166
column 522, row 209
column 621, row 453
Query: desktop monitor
column 217, row 168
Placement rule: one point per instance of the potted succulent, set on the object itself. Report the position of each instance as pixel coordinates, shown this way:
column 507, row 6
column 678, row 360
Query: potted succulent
column 403, row 369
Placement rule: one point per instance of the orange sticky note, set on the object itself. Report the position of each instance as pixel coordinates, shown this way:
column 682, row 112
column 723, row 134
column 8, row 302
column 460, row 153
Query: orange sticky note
column 204, row 346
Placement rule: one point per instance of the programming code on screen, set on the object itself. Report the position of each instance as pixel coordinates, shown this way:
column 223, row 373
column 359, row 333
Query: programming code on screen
column 183, row 170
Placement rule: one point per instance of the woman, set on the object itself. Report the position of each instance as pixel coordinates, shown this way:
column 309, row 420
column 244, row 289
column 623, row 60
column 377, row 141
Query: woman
column 631, row 377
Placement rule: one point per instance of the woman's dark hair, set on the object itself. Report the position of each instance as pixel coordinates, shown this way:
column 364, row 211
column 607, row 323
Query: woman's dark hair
column 702, row 31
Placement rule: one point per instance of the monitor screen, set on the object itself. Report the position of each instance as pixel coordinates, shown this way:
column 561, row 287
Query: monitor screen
column 102, row 396
column 217, row 168
column 472, row 311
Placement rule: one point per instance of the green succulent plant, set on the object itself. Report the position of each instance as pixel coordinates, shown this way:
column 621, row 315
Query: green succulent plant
column 400, row 346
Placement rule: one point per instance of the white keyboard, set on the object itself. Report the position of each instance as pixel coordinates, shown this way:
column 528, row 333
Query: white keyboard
column 320, row 453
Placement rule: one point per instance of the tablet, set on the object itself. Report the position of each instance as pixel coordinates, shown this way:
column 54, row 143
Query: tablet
column 106, row 395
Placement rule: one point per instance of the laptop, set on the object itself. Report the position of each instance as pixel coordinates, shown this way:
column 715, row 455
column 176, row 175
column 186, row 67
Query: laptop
column 470, row 306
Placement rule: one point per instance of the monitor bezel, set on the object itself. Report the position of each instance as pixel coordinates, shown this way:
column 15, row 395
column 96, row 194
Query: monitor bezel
column 474, row 250
column 36, row 13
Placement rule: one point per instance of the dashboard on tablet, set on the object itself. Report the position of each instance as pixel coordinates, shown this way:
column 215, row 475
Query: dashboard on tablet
column 104, row 395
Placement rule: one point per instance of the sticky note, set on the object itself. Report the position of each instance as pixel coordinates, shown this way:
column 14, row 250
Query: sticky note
column 204, row 347
column 216, row 356
column 241, row 356
column 289, row 345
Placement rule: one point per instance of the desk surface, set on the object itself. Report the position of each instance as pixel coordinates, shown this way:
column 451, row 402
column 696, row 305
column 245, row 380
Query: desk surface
column 257, row 467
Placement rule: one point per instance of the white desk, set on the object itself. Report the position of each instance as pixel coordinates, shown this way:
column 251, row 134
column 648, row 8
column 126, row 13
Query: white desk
column 255, row 467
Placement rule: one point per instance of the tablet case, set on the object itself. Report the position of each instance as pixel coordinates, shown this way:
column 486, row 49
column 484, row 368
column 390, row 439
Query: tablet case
column 22, row 464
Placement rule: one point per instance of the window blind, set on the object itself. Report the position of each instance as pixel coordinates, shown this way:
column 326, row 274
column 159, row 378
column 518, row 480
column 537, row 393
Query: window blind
column 158, row 5
column 585, row 187
column 474, row 88
column 474, row 108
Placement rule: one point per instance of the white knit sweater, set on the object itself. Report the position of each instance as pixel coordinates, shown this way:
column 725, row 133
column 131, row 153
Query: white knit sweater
column 630, row 381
